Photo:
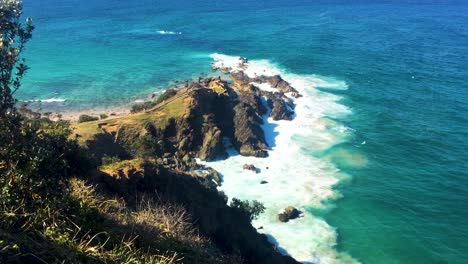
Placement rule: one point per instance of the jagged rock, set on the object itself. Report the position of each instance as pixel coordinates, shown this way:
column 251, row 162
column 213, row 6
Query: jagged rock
column 242, row 83
column 280, row 110
column 263, row 182
column 249, row 167
column 214, row 67
column 249, row 137
column 296, row 95
column 225, row 70
column 289, row 213
column 212, row 146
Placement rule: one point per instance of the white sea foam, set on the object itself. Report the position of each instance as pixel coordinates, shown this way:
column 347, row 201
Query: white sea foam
column 295, row 177
column 165, row 32
column 50, row 100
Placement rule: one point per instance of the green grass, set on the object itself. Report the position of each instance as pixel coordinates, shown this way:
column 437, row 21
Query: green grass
column 134, row 124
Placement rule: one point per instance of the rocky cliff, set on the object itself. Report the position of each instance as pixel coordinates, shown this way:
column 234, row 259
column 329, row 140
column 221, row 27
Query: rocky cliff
column 196, row 119
column 160, row 144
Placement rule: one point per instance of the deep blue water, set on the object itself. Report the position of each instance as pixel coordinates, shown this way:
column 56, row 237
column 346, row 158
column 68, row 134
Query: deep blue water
column 405, row 64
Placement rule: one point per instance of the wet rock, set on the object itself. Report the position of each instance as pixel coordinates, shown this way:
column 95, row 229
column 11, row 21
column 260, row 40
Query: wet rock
column 289, row 213
column 249, row 167
column 263, row 182
column 249, row 137
column 225, row 70
column 280, row 109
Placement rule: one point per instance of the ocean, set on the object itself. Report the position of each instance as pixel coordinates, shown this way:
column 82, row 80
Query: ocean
column 376, row 157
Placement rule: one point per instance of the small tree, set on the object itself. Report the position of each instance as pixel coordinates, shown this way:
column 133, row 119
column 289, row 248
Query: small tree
column 35, row 154
column 250, row 210
column 13, row 37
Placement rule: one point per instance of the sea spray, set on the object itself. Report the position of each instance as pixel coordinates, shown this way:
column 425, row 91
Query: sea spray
column 294, row 176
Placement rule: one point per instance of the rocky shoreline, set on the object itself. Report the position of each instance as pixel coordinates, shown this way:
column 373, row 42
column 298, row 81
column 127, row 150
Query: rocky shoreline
column 198, row 121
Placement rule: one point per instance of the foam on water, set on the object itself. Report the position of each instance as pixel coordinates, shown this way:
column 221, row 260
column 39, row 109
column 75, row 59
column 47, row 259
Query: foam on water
column 295, row 177
column 165, row 32
column 50, row 100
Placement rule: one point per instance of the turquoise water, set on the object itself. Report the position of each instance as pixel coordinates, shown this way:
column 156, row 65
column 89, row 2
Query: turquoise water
column 404, row 64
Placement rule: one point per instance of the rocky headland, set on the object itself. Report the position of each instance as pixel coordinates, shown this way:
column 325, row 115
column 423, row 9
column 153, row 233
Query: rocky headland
column 158, row 143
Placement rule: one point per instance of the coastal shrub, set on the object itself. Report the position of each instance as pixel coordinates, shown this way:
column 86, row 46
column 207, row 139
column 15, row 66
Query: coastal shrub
column 91, row 227
column 166, row 95
column 147, row 147
column 87, row 118
column 36, row 158
column 103, row 116
column 140, row 107
column 13, row 37
column 250, row 210
column 106, row 159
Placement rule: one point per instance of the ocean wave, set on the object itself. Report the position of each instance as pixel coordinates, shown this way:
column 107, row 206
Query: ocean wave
column 164, row 32
column 295, row 177
column 50, row 100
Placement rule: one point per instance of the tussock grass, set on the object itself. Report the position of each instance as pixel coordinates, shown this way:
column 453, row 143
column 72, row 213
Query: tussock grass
column 91, row 227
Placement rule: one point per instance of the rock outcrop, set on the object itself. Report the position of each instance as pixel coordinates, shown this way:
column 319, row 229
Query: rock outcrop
column 289, row 213
column 240, row 79
column 280, row 107
column 250, row 167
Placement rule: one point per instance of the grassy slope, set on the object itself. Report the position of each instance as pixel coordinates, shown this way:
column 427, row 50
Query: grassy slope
column 159, row 116
column 94, row 227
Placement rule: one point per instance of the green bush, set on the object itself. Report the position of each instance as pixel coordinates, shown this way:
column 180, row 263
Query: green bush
column 166, row 95
column 147, row 147
column 106, row 160
column 250, row 210
column 103, row 116
column 36, row 157
column 140, row 107
column 87, row 118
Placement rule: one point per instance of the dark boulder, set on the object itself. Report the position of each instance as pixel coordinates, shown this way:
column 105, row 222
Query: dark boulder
column 289, row 213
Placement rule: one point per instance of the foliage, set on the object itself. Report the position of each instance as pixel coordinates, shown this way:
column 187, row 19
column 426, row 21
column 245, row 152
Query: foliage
column 166, row 95
column 87, row 118
column 35, row 160
column 140, row 107
column 103, row 116
column 91, row 227
column 251, row 210
column 106, row 160
column 13, row 37
column 147, row 147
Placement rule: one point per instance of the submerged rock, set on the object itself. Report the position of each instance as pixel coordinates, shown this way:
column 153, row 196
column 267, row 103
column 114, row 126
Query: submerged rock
column 289, row 213
column 249, row 167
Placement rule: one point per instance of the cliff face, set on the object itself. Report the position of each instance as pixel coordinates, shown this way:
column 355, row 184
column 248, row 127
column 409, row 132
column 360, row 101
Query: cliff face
column 194, row 123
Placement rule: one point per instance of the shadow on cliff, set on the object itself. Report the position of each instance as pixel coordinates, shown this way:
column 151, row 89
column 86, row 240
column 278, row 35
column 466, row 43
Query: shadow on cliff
column 227, row 227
